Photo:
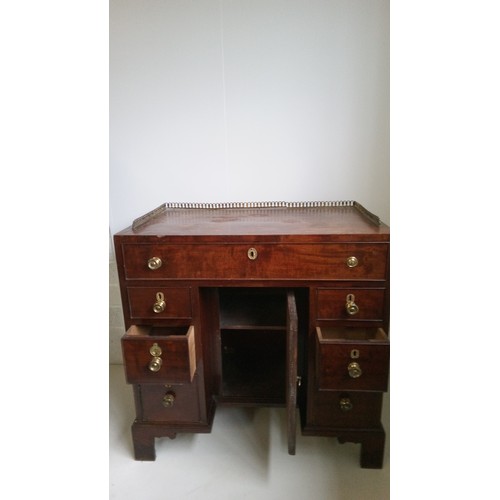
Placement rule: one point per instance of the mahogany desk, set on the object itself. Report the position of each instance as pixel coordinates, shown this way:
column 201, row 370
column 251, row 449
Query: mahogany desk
column 282, row 304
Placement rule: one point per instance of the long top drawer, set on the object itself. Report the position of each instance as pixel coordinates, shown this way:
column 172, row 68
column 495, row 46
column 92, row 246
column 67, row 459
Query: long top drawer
column 344, row 261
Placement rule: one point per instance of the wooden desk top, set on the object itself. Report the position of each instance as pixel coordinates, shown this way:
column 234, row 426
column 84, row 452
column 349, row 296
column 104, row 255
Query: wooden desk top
column 348, row 221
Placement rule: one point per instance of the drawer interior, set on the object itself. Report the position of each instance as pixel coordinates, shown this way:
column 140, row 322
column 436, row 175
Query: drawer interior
column 346, row 334
column 160, row 331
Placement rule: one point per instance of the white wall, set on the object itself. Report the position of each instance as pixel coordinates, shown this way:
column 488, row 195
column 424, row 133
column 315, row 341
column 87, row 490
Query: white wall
column 239, row 100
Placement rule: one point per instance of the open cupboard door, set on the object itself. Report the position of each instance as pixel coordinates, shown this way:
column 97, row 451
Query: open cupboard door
column 291, row 375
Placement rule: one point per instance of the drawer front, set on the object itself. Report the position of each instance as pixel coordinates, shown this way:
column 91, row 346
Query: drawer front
column 344, row 409
column 159, row 303
column 159, row 355
column 365, row 261
column 175, row 403
column 351, row 365
column 333, row 304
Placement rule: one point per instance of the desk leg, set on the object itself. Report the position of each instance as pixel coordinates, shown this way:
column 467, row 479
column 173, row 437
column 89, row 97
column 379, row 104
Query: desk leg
column 372, row 446
column 143, row 437
column 144, row 443
column 372, row 450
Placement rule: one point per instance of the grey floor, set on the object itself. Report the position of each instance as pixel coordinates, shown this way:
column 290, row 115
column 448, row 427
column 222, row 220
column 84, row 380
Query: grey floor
column 245, row 456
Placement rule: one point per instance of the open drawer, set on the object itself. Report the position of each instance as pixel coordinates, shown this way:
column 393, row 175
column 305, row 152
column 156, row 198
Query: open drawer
column 159, row 354
column 355, row 359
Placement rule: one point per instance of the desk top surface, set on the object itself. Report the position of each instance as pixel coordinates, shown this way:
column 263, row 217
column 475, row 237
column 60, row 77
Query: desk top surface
column 279, row 221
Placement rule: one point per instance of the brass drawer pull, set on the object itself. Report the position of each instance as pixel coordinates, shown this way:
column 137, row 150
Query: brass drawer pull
column 168, row 400
column 352, row 261
column 154, row 263
column 159, row 305
column 155, row 364
column 252, row 253
column 354, row 370
column 345, row 404
column 350, row 306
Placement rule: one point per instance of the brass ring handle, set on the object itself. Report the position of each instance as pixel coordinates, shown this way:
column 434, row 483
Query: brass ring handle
column 168, row 400
column 350, row 306
column 154, row 263
column 345, row 404
column 160, row 304
column 354, row 370
column 352, row 261
column 155, row 364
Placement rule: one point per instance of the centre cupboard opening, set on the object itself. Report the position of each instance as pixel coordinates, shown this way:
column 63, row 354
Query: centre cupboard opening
column 256, row 342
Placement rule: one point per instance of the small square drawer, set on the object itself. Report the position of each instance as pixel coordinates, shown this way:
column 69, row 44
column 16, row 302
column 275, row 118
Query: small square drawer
column 160, row 302
column 343, row 409
column 159, row 354
column 355, row 359
column 170, row 403
column 364, row 304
